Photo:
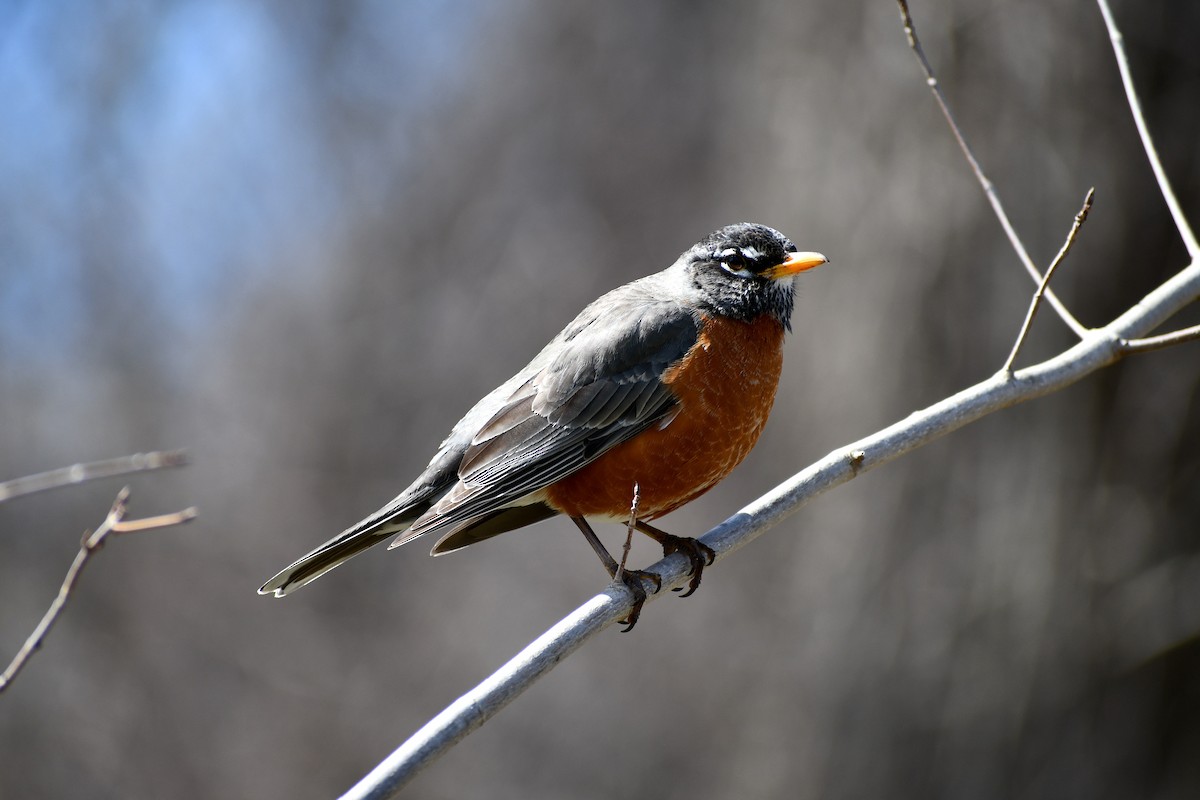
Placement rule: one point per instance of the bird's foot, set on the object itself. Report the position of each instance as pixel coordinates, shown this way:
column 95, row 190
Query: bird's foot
column 635, row 581
column 698, row 554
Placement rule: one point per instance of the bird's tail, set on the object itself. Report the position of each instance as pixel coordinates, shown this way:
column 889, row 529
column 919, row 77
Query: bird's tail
column 381, row 525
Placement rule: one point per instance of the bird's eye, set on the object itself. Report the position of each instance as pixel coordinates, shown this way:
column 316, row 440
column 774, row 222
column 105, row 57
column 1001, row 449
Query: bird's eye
column 734, row 262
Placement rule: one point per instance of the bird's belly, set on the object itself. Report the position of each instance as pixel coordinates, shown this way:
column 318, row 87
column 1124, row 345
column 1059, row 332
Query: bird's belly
column 726, row 387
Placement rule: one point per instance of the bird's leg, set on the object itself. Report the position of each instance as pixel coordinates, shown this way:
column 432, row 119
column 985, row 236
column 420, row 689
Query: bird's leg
column 698, row 553
column 631, row 578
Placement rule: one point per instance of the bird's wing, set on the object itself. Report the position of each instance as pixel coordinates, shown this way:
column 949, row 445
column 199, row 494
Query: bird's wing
column 597, row 385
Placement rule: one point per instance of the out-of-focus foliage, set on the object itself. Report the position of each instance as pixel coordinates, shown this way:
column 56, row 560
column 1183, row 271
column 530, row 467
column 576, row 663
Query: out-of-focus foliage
column 301, row 238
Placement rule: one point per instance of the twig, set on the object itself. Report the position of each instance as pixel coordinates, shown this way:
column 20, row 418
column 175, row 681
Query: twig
column 1135, row 107
column 115, row 523
column 633, row 509
column 988, row 188
column 1100, row 348
column 1080, row 218
column 67, row 476
column 1131, row 346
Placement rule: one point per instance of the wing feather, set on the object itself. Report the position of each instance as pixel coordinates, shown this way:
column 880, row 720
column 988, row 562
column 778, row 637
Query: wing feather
column 599, row 384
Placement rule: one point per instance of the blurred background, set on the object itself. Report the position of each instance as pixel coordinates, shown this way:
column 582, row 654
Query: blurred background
column 301, row 239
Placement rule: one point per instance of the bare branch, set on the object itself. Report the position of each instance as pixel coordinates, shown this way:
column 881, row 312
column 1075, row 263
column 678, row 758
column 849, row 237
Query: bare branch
column 151, row 523
column 115, row 523
column 633, row 511
column 1131, row 346
column 1096, row 349
column 1080, row 218
column 1100, row 348
column 1135, row 107
column 988, row 188
column 79, row 473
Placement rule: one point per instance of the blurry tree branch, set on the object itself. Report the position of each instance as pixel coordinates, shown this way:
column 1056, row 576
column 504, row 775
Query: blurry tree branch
column 114, row 523
column 79, row 473
column 1135, row 107
column 1097, row 348
column 989, row 188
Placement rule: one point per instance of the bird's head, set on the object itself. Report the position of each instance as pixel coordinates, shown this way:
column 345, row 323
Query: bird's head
column 745, row 270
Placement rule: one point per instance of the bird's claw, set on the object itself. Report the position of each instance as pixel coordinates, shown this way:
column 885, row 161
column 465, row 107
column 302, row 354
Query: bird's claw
column 634, row 580
column 699, row 555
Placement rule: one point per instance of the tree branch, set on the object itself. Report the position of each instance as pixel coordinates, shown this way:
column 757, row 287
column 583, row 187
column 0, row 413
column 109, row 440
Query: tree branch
column 1100, row 348
column 114, row 523
column 989, row 188
column 1096, row 349
column 1135, row 107
column 1130, row 346
column 79, row 473
column 1080, row 218
column 633, row 515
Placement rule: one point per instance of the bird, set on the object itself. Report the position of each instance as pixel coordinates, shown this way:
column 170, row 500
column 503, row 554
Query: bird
column 660, row 388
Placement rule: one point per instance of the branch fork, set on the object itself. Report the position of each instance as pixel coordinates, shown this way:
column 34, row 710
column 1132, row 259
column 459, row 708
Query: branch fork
column 113, row 524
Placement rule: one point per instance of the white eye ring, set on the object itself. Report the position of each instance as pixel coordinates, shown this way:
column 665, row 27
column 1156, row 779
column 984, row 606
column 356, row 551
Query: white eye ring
column 741, row 273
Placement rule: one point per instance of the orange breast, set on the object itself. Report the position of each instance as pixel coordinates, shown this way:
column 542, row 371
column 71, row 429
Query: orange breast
column 726, row 387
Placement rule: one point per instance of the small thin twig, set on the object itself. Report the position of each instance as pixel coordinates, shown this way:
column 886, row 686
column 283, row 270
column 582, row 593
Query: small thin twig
column 115, row 524
column 988, row 188
column 1149, row 343
column 633, row 509
column 79, row 473
column 1135, row 107
column 1080, row 218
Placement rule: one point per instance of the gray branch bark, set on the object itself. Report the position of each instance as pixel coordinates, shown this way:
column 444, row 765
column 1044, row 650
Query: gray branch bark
column 1099, row 348
column 91, row 471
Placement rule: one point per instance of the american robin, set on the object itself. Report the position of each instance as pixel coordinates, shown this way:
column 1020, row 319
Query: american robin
column 664, row 383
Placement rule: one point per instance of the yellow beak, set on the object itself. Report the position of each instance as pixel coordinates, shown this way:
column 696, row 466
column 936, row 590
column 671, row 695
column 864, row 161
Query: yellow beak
column 795, row 264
